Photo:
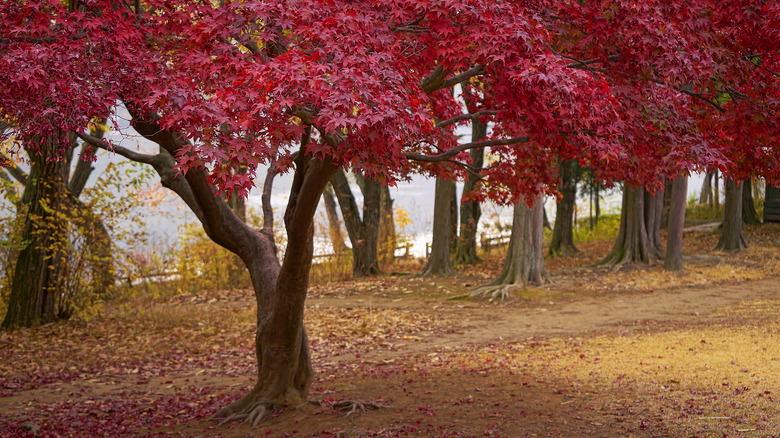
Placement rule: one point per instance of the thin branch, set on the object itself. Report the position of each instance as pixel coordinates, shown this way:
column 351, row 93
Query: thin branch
column 477, row 70
column 14, row 170
column 470, row 116
column 42, row 40
column 414, row 156
column 127, row 153
column 268, row 211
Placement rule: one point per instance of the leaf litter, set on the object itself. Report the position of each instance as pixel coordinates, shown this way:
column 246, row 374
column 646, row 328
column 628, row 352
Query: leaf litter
column 438, row 367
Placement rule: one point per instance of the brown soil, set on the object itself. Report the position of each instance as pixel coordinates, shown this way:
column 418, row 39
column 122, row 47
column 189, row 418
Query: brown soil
column 598, row 353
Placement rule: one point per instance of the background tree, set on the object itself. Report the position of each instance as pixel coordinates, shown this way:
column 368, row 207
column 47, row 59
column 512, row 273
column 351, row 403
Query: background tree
column 363, row 231
column 749, row 213
column 633, row 243
column 334, row 222
column 674, row 239
column 387, row 237
column 562, row 243
column 470, row 210
column 52, row 214
column 731, row 238
column 439, row 260
column 524, row 262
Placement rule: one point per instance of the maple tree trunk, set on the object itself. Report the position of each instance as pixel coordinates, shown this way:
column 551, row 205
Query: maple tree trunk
column 284, row 372
column 705, row 196
column 732, row 239
column 386, row 227
column 470, row 210
column 562, row 243
column 524, row 263
column 749, row 213
column 674, row 239
column 334, row 223
column 632, row 243
column 363, row 233
column 40, row 269
column 653, row 205
column 715, row 189
column 439, row 260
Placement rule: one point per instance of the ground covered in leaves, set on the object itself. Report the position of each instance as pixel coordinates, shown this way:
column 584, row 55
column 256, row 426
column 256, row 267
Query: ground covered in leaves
column 601, row 352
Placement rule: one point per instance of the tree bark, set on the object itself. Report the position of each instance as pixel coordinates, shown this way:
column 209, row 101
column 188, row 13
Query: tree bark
column 363, row 233
column 439, row 260
column 470, row 210
column 334, row 223
column 524, row 262
column 654, row 204
column 732, row 239
column 715, row 189
column 40, row 268
column 386, row 227
column 632, row 244
column 705, row 196
column 674, row 239
column 562, row 243
column 749, row 213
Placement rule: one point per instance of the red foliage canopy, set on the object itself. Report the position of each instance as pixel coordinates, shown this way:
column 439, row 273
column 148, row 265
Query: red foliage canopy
column 640, row 90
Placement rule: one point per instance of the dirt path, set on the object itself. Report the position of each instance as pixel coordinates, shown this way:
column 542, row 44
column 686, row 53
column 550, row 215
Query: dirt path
column 483, row 324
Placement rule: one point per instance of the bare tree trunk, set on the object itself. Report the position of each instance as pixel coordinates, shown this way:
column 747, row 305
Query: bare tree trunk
column 439, row 260
column 716, row 189
column 749, row 213
column 363, row 233
column 387, row 239
column 705, row 196
column 334, row 223
column 470, row 211
column 674, row 238
column 732, row 238
column 562, row 243
column 632, row 244
column 653, row 210
column 524, row 262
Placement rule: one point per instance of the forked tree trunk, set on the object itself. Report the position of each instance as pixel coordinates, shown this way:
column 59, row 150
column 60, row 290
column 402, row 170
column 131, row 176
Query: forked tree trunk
column 363, row 232
column 284, row 372
column 470, row 210
column 632, row 244
column 749, row 213
column 562, row 243
column 674, row 238
column 524, row 262
column 40, row 268
column 654, row 204
column 439, row 260
column 732, row 239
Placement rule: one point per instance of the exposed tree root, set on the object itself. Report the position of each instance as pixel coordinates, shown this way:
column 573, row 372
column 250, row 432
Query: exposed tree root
column 497, row 292
column 253, row 411
column 349, row 407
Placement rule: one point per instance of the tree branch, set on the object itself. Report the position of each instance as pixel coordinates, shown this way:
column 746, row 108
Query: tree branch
column 268, row 211
column 127, row 153
column 14, row 170
column 444, row 156
column 470, row 116
column 436, row 79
